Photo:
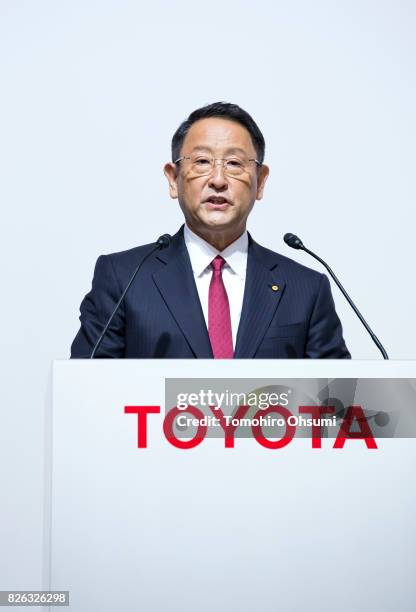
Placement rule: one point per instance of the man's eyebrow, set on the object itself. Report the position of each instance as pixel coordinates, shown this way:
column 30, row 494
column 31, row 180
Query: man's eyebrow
column 228, row 150
column 201, row 148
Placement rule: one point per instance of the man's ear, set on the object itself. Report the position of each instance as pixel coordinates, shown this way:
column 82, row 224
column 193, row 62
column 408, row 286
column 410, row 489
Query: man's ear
column 170, row 172
column 263, row 173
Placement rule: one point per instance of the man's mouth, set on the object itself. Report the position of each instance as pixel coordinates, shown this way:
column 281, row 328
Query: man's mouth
column 217, row 202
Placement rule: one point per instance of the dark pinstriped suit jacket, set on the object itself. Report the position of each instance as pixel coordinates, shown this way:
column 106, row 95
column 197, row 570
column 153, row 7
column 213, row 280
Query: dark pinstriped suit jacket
column 162, row 317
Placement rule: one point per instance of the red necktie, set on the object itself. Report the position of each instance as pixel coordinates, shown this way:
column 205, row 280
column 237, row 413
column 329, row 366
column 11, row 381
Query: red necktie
column 219, row 320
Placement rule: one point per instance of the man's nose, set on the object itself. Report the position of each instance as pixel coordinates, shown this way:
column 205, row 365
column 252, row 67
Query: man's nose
column 217, row 178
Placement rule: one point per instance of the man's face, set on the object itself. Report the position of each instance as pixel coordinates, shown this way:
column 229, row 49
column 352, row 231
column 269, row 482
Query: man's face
column 217, row 201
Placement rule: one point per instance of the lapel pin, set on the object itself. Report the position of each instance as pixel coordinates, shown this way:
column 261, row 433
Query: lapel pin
column 275, row 287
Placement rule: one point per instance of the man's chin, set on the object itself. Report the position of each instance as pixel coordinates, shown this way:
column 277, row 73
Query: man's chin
column 218, row 219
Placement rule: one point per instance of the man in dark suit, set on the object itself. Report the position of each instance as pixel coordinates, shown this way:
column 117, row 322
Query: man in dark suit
column 214, row 292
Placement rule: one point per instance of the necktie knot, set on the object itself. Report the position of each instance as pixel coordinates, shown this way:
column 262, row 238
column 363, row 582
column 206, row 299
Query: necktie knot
column 217, row 263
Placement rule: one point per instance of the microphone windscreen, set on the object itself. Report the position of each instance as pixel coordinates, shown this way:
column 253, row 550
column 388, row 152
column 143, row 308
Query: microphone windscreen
column 293, row 241
column 164, row 241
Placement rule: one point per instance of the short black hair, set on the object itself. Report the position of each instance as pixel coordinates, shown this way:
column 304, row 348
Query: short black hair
column 233, row 112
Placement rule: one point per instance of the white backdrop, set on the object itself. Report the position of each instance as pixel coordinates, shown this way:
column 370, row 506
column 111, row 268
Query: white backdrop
column 90, row 95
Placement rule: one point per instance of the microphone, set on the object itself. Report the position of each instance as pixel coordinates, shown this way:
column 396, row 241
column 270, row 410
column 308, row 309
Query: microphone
column 161, row 243
column 293, row 241
column 296, row 243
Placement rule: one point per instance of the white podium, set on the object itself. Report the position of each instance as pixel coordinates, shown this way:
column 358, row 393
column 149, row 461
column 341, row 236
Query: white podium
column 238, row 529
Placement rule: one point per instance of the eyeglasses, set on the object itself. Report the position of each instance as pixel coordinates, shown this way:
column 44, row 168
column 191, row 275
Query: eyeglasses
column 202, row 165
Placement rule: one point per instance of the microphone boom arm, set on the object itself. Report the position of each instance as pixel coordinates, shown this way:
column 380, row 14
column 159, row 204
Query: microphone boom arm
column 296, row 243
column 161, row 243
column 350, row 302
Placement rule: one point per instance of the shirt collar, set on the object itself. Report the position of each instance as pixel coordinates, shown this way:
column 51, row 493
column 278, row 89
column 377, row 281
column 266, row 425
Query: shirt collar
column 201, row 253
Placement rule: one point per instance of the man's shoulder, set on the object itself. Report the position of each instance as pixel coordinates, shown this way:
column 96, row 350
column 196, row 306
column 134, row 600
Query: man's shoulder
column 286, row 266
column 128, row 255
column 124, row 262
column 136, row 253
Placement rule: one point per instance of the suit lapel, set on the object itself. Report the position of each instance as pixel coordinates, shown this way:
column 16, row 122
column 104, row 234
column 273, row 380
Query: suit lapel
column 176, row 284
column 262, row 294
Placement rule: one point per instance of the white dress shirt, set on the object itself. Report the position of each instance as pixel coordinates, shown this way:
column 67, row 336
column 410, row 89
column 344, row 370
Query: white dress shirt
column 201, row 254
